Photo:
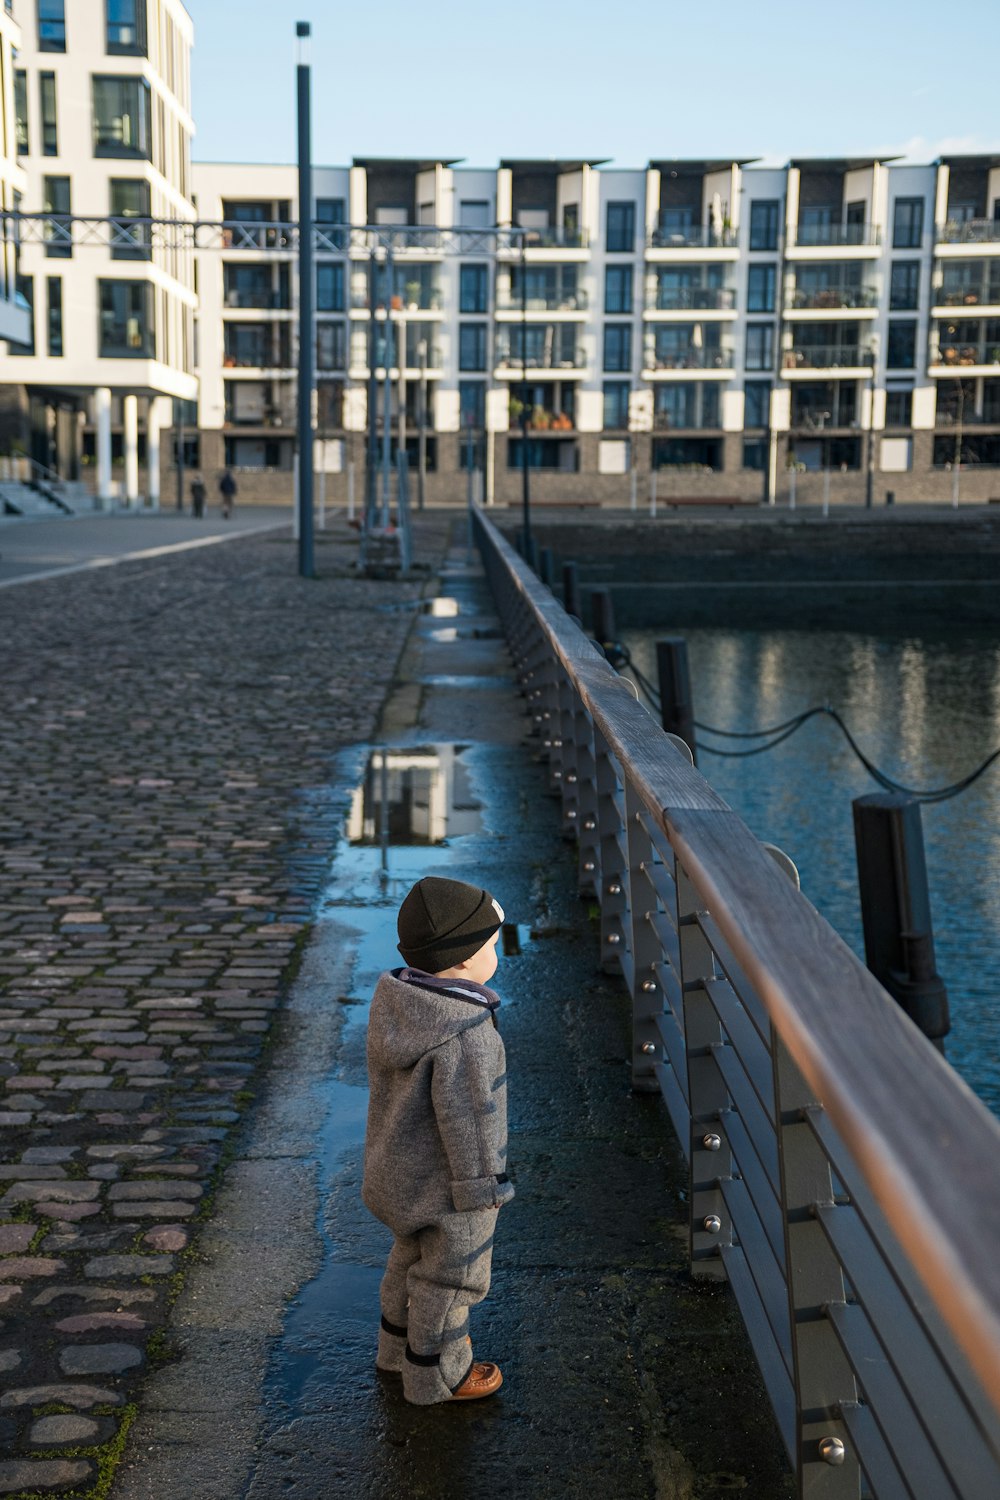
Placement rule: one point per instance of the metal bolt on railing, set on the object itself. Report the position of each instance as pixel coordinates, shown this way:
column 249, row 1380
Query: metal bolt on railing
column 571, row 777
column 614, row 888
column 589, row 824
column 832, row 1450
column 649, row 1048
column 571, row 813
column 588, row 865
column 614, row 939
column 648, row 986
column 712, row 1223
column 712, row 1142
column 557, row 744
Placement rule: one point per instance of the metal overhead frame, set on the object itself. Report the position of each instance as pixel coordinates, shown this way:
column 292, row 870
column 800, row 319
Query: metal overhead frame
column 142, row 234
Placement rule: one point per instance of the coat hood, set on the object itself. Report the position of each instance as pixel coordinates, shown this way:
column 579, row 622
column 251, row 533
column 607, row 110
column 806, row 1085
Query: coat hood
column 408, row 1021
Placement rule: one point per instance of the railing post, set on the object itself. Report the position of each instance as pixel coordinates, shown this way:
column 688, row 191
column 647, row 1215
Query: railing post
column 588, row 848
column 676, row 701
column 647, row 999
column 826, row 1464
column 613, row 859
column 602, row 614
column 710, row 1223
column 546, row 565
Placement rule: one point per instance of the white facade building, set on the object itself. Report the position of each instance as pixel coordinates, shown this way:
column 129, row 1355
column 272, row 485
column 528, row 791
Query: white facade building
column 14, row 321
column 104, row 131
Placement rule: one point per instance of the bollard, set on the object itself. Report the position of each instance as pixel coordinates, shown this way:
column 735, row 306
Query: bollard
column 895, row 908
column 546, row 565
column 571, row 590
column 602, row 614
column 674, row 677
column 890, row 497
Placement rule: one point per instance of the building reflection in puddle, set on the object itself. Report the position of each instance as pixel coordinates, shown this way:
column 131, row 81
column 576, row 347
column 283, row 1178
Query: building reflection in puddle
column 416, row 796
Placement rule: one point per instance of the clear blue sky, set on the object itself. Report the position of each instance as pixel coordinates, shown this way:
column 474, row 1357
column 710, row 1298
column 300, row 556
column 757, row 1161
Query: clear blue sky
column 628, row 80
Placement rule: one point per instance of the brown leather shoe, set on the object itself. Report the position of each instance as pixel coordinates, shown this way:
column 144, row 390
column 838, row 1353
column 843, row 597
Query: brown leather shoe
column 482, row 1380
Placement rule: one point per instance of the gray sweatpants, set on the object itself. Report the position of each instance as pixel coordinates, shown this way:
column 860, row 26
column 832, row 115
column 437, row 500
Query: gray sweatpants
column 431, row 1280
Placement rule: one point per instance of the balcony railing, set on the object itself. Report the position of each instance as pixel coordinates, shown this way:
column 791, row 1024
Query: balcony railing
column 691, row 358
column 969, row 294
column 575, row 301
column 664, row 422
column 545, row 359
column 833, row 296
column 693, row 298
column 827, row 357
column 428, row 299
column 961, row 354
column 258, row 356
column 950, row 418
column 695, row 236
column 836, row 234
column 264, row 416
column 263, row 300
column 540, row 419
column 553, row 238
column 968, row 231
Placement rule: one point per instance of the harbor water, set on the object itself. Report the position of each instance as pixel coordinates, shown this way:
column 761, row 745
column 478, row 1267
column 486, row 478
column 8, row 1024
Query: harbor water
column 925, row 708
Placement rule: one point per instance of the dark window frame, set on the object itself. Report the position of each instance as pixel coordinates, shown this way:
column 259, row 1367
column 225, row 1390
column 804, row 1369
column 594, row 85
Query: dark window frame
column 330, row 286
column 48, row 113
column 617, row 393
column 146, row 348
column 114, row 46
column 764, row 360
column 901, row 330
column 765, row 236
column 473, row 347
column 907, row 232
column 617, row 349
column 51, row 28
column 621, row 240
column 106, row 146
column 905, row 298
column 769, row 271
column 473, row 287
column 54, row 316
column 621, row 277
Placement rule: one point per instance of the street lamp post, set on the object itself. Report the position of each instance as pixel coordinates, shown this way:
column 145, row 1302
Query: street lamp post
column 956, row 467
column 525, row 482
column 306, row 362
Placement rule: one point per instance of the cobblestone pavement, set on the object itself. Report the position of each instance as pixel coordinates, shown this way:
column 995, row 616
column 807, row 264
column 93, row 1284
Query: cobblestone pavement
column 166, row 814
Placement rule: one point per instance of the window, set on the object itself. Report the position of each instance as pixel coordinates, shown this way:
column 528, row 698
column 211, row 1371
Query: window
column 907, row 223
column 474, row 213
column 21, row 110
column 51, row 25
column 126, row 330
column 902, row 347
column 904, row 285
column 757, row 403
column 473, row 290
column 472, row 403
column 760, row 289
column 764, row 224
column 121, row 117
column 618, row 289
column 618, row 346
column 331, row 211
column 330, row 287
column 130, row 200
column 26, row 289
column 616, row 394
column 621, row 227
column 755, row 455
column 53, row 288
column 50, row 134
column 58, row 230
column 126, row 27
column 899, row 408
column 472, row 346
column 330, row 346
column 760, row 346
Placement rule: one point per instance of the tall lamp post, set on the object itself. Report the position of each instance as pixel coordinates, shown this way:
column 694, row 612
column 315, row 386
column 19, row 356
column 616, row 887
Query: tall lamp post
column 304, row 498
column 956, row 467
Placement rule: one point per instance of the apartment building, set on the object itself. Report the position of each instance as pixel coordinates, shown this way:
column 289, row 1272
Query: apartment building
column 13, row 316
column 830, row 327
column 102, row 118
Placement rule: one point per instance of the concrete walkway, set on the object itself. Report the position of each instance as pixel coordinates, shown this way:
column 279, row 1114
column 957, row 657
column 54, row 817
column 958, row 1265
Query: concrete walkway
column 620, row 1374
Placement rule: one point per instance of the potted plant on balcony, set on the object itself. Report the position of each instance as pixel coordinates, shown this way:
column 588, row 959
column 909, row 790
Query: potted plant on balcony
column 514, row 410
column 412, row 290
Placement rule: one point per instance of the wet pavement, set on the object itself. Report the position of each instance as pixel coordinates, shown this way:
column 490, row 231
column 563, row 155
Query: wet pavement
column 619, row 1372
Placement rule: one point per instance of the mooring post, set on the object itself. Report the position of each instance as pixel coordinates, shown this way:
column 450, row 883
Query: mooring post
column 674, row 676
column 896, row 910
column 546, row 565
column 602, row 615
column 571, row 590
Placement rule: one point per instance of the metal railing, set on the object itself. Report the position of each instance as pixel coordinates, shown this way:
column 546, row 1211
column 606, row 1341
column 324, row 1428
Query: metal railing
column 262, row 300
column 968, row 231
column 694, row 236
column 834, row 296
column 842, row 1179
column 967, row 294
column 960, row 353
column 555, row 237
column 575, row 301
column 561, row 357
column 682, row 298
column 827, row 357
column 717, row 357
column 806, row 235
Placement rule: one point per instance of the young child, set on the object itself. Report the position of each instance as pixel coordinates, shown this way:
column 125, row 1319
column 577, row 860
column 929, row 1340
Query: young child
column 436, row 1145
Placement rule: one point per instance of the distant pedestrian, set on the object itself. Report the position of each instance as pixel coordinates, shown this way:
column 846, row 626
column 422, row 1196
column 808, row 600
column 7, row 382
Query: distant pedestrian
column 436, row 1143
column 198, row 494
column 227, row 489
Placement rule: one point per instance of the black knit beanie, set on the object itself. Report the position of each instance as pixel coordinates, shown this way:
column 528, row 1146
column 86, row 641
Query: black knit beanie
column 441, row 922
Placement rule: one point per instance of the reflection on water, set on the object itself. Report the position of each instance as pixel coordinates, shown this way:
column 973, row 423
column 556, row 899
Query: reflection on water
column 413, row 796
column 926, row 710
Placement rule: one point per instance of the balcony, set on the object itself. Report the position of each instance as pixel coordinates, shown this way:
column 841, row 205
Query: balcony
column 693, row 299
column 508, row 359
column 256, row 350
column 411, row 299
column 260, row 413
column 692, row 237
column 716, row 357
column 829, row 298
column 969, row 232
column 967, row 295
column 540, row 419
column 567, row 301
column 827, row 357
column 552, row 238
column 959, row 354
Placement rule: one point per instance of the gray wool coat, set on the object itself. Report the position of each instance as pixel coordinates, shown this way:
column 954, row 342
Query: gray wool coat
column 436, row 1141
